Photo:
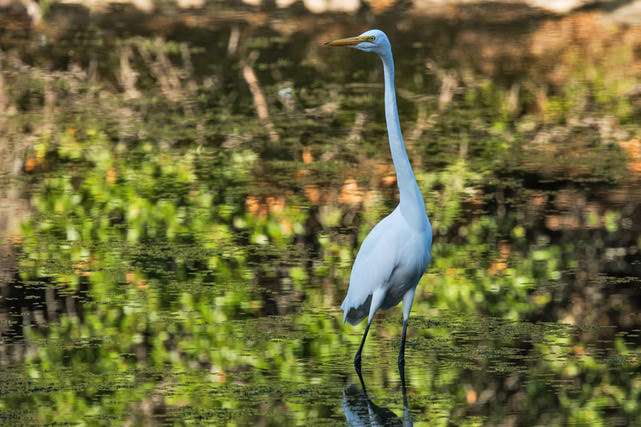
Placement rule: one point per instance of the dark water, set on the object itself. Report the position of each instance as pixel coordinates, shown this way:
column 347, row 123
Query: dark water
column 183, row 194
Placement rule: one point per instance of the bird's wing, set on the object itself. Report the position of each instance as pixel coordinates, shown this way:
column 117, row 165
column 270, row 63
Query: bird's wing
column 374, row 264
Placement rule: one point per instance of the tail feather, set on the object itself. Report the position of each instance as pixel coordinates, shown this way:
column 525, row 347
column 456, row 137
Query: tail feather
column 354, row 313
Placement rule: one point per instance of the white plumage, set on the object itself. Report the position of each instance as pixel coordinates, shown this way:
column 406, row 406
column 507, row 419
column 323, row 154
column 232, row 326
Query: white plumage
column 389, row 263
column 395, row 254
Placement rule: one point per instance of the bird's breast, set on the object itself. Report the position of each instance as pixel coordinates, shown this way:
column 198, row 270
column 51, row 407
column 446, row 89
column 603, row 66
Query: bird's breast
column 414, row 258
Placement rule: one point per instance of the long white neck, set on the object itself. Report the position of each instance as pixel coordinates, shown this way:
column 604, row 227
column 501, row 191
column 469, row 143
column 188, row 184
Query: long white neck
column 411, row 204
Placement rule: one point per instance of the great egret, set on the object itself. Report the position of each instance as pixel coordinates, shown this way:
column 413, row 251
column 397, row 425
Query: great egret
column 395, row 254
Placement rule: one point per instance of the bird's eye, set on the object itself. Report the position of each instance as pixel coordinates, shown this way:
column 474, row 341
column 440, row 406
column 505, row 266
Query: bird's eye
column 371, row 39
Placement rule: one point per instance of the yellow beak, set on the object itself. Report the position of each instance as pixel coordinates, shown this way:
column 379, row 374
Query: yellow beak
column 349, row 41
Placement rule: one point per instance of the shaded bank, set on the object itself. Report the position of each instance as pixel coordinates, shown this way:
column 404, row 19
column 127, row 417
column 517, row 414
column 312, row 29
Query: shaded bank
column 501, row 9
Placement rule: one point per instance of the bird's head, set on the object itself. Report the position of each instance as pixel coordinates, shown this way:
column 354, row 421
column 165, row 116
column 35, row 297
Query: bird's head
column 370, row 41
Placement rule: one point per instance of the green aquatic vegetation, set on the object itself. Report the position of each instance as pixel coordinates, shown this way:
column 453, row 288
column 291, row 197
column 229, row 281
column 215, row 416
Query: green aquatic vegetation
column 156, row 330
column 195, row 266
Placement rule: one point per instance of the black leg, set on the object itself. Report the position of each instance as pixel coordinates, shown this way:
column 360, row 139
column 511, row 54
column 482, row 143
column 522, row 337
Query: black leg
column 406, row 403
column 360, row 378
column 357, row 358
column 407, row 417
column 401, row 354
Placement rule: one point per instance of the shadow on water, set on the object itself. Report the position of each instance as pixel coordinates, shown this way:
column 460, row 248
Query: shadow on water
column 360, row 410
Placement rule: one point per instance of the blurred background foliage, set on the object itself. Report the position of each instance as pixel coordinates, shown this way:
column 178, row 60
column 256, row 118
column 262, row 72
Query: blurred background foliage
column 183, row 193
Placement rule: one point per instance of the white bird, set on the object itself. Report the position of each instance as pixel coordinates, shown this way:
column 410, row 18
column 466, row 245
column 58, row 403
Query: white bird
column 396, row 253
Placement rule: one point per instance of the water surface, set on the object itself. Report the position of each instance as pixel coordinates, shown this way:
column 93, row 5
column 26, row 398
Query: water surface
column 183, row 196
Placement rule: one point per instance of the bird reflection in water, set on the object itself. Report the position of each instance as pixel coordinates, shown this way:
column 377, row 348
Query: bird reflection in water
column 361, row 411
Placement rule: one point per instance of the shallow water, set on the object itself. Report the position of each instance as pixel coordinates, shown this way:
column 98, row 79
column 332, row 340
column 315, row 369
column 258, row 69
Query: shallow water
column 183, row 196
